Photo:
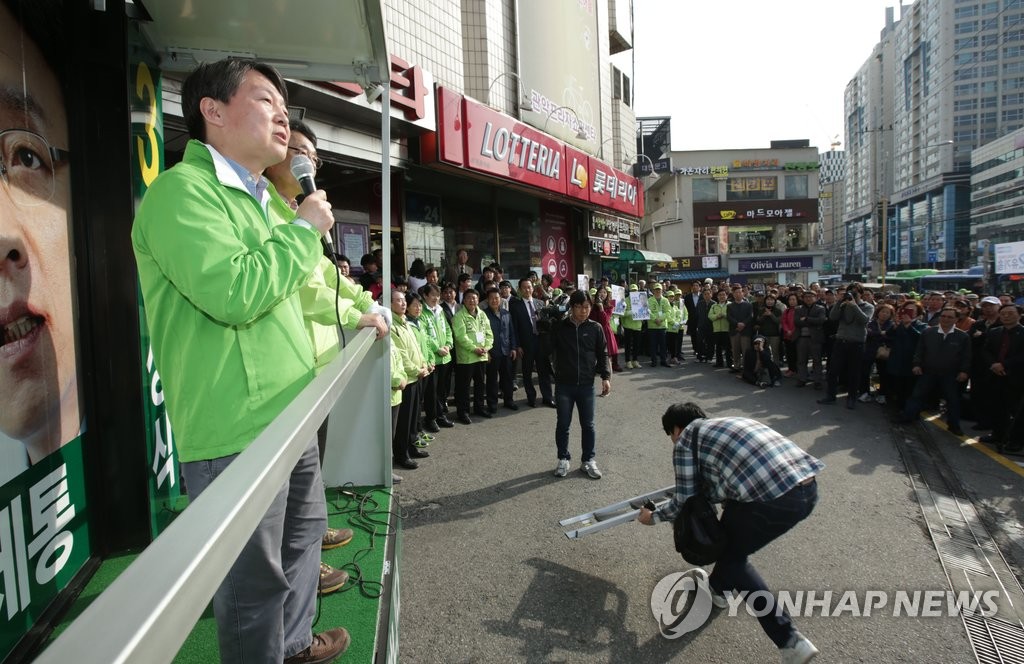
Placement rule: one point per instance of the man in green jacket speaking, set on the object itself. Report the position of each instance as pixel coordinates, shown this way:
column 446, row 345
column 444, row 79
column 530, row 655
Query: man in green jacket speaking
column 220, row 278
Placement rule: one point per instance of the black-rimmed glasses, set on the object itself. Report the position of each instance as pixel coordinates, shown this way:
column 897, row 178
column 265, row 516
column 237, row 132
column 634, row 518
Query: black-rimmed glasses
column 317, row 163
column 27, row 165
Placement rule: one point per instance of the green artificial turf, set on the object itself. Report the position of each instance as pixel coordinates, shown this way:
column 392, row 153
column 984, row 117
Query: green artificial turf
column 355, row 607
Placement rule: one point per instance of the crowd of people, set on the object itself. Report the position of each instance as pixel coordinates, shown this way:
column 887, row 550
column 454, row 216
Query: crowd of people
column 901, row 349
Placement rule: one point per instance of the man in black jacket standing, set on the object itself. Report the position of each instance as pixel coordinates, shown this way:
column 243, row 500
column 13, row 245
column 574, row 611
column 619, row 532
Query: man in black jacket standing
column 941, row 360
column 1003, row 356
column 691, row 302
column 578, row 352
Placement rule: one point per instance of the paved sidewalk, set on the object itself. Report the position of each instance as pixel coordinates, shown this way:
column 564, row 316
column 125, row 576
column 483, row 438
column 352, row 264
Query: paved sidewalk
column 488, row 576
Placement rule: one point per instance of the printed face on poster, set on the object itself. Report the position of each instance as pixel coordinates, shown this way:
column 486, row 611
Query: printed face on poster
column 582, row 282
column 44, row 521
column 638, row 303
column 39, row 382
column 619, row 296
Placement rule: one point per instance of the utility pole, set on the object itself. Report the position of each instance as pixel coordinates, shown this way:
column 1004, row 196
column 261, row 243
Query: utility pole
column 885, row 236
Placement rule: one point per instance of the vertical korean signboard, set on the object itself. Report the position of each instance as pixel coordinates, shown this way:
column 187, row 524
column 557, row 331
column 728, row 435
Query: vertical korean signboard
column 147, row 162
column 562, row 78
column 44, row 534
column 555, row 242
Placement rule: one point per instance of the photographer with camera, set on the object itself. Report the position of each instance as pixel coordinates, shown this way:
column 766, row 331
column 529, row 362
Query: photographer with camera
column 852, row 315
column 766, row 485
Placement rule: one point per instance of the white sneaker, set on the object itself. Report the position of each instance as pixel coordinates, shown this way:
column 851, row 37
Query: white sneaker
column 880, row 399
column 562, row 469
column 719, row 601
column 799, row 651
column 864, row 398
column 590, row 468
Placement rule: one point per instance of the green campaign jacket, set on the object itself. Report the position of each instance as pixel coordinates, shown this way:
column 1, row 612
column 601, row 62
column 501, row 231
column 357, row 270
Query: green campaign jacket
column 468, row 332
column 659, row 312
column 220, row 281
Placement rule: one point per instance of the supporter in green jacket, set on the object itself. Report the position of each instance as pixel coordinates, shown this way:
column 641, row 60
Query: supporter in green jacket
column 717, row 315
column 434, row 322
column 398, row 382
column 436, row 325
column 659, row 306
column 414, row 368
column 471, row 330
column 354, row 306
column 414, row 319
column 631, row 331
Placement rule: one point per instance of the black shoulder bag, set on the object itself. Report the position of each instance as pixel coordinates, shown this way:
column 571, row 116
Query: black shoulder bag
column 699, row 535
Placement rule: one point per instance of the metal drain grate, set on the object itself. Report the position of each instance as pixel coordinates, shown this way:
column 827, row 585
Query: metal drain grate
column 967, row 552
column 995, row 641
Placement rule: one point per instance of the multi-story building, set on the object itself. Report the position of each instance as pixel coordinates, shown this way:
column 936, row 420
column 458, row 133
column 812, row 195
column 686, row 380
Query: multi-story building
column 756, row 210
column 943, row 80
column 997, row 209
column 831, row 232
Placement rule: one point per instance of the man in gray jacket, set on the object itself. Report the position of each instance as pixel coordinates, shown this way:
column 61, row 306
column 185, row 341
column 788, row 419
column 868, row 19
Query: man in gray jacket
column 740, row 314
column 852, row 316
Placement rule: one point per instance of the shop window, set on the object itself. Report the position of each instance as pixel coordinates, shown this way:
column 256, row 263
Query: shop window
column 469, row 226
column 518, row 244
column 751, row 239
column 792, row 237
column 705, row 190
column 752, row 188
column 796, row 186
column 705, row 241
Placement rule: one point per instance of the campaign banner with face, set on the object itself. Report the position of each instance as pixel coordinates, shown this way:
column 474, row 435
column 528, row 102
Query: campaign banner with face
column 44, row 537
column 144, row 94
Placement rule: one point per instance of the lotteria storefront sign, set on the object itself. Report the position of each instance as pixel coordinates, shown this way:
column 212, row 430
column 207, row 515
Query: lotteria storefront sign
column 473, row 136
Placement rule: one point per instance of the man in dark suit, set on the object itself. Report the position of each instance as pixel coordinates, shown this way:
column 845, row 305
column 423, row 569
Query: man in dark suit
column 1004, row 356
column 460, row 266
column 690, row 301
column 942, row 360
column 982, row 400
column 525, row 311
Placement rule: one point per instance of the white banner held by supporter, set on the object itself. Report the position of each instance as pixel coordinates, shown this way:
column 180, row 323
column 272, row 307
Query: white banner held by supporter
column 638, row 301
column 582, row 282
column 619, row 295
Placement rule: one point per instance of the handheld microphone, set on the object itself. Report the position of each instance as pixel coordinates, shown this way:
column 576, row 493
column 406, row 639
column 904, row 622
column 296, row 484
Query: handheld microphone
column 303, row 170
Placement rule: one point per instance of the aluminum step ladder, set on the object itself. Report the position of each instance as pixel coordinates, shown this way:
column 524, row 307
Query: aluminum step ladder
column 614, row 514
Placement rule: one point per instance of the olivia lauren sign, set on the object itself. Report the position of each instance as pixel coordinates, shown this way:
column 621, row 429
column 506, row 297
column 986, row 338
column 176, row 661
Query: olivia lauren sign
column 474, row 136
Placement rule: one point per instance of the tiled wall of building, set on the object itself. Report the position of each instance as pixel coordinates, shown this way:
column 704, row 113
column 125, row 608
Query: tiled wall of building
column 489, row 42
column 428, row 33
column 471, row 46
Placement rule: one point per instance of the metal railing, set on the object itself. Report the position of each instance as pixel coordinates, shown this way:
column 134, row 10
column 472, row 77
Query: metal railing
column 149, row 611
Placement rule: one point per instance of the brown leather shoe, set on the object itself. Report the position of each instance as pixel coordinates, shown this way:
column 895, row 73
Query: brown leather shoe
column 331, row 579
column 325, row 648
column 335, row 537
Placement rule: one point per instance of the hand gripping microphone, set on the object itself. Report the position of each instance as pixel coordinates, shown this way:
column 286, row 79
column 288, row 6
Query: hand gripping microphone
column 302, row 170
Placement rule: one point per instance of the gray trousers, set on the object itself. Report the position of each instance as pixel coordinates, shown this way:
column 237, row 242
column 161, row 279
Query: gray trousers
column 266, row 604
column 807, row 349
column 740, row 342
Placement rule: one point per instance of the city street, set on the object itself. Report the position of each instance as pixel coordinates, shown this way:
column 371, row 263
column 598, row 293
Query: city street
column 487, row 574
